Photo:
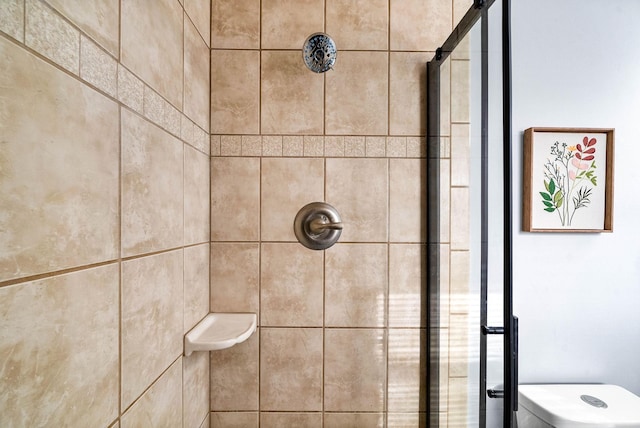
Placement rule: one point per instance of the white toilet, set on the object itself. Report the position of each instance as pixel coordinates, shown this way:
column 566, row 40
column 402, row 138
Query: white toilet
column 577, row 406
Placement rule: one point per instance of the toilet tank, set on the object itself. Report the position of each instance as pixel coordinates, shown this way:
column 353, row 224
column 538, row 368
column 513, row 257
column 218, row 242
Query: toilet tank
column 577, row 406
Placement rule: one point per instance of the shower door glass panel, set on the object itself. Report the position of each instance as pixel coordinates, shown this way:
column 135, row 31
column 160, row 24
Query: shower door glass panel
column 472, row 240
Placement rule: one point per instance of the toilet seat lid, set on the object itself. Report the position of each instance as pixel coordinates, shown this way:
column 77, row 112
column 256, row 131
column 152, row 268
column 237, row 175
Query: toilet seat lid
column 581, row 405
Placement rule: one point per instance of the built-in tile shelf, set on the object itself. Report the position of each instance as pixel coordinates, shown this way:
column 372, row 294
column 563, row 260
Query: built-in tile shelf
column 220, row 331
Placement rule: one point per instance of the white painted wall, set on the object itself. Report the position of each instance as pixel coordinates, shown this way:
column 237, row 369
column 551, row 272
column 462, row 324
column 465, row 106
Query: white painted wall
column 576, row 63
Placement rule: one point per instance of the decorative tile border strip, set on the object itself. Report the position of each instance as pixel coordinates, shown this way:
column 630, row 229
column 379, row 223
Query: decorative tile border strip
column 318, row 146
column 66, row 46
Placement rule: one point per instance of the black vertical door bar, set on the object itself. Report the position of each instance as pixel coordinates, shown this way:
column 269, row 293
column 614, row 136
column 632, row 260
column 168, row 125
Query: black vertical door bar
column 510, row 322
column 433, row 240
column 484, row 210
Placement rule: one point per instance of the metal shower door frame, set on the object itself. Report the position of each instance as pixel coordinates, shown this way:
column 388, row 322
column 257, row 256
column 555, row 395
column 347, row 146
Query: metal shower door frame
column 509, row 393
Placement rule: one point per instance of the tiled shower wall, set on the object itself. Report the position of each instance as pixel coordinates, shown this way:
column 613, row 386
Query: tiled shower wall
column 341, row 330
column 104, row 211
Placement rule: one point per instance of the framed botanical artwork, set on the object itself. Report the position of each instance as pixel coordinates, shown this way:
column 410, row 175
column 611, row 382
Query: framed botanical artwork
column 568, row 180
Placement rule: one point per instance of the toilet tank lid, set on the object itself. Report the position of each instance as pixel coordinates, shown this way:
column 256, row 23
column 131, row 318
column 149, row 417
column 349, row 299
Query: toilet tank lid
column 567, row 405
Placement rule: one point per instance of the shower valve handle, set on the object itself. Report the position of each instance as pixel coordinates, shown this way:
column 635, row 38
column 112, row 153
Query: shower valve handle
column 319, row 225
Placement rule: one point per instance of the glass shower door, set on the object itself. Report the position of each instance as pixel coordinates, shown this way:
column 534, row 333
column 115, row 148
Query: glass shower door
column 469, row 308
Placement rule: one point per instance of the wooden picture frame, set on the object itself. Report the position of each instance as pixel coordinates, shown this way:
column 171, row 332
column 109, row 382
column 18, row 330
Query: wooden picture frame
column 568, row 180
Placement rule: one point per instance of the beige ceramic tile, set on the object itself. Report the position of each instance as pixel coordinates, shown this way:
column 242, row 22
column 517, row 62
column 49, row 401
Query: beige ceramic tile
column 407, row 200
column 286, row 24
column 202, row 140
column 160, row 112
column 55, row 369
column 459, row 218
column 235, row 92
column 234, row 377
column 199, row 12
column 287, row 186
column 292, row 145
column 97, row 18
column 457, row 411
column 357, row 94
column 130, row 89
column 407, row 371
column 458, row 345
column 356, row 285
column 278, row 420
column 344, row 420
column 291, row 369
column 196, row 75
column 234, row 420
column 397, row 147
column 235, row 277
column 445, row 284
column 188, row 130
column 153, row 35
column 49, row 34
column 408, row 29
column 460, row 90
column 59, row 187
column 196, row 285
column 152, row 187
column 151, row 319
column 251, row 145
column 161, row 405
column 313, row 146
column 291, row 285
column 445, row 200
column 195, row 388
column 235, row 199
column 408, row 93
column 416, row 147
column 445, row 98
column 350, row 387
column 358, row 189
column 214, row 145
column 355, row 147
column 98, row 67
column 445, row 147
column 235, row 24
column 206, row 423
column 376, row 147
column 443, row 375
column 460, row 153
column 12, row 19
column 407, row 299
column 334, row 146
column 231, row 145
column 171, row 120
column 407, row 420
column 197, row 194
column 359, row 24
column 443, row 419
column 460, row 266
column 291, row 95
column 272, row 145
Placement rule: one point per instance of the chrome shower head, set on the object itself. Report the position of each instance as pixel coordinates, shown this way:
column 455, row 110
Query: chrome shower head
column 319, row 52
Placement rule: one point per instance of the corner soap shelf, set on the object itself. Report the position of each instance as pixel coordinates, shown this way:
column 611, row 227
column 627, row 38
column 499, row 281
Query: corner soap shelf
column 219, row 331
